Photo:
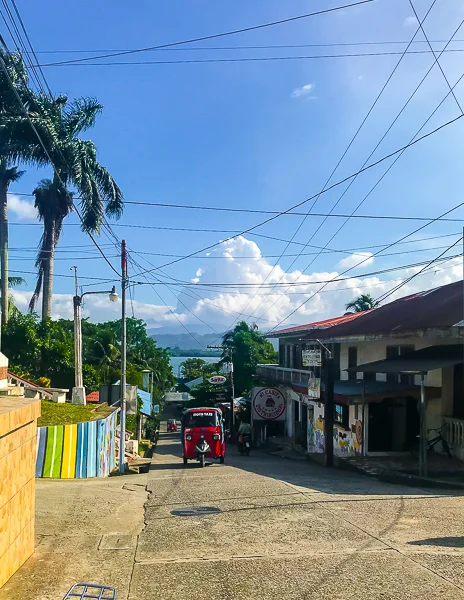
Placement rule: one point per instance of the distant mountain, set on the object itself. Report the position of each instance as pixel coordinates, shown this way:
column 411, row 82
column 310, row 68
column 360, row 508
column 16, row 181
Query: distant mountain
column 183, row 340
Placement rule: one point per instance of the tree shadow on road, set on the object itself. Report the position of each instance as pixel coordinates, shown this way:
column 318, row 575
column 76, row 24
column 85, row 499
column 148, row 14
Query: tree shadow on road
column 448, row 542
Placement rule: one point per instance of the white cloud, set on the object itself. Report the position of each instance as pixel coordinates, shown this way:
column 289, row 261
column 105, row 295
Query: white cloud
column 354, row 259
column 410, row 22
column 303, row 92
column 100, row 309
column 239, row 261
column 21, row 208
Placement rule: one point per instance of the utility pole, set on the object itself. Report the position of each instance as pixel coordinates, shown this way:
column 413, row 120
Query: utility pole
column 78, row 392
column 232, row 387
column 122, row 438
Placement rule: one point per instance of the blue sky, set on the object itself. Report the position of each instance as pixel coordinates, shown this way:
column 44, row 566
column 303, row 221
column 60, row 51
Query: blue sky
column 262, row 135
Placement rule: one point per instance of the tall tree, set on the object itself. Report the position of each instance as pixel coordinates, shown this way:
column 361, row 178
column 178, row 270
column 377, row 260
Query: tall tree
column 74, row 162
column 361, row 303
column 248, row 348
column 14, row 145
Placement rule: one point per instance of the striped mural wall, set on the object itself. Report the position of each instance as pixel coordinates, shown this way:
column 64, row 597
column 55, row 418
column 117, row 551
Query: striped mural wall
column 77, row 451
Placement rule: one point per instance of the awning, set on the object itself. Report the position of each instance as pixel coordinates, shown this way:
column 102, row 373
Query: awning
column 418, row 361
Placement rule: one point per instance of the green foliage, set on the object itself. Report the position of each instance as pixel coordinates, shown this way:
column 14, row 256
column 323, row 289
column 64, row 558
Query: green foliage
column 176, row 351
column 361, row 303
column 248, row 348
column 192, row 368
column 46, row 349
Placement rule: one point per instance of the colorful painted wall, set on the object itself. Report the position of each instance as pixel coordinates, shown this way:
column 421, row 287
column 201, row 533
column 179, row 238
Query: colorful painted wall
column 77, row 451
column 347, row 442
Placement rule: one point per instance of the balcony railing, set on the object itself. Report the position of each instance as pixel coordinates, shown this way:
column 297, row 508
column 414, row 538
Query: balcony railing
column 454, row 432
column 283, row 375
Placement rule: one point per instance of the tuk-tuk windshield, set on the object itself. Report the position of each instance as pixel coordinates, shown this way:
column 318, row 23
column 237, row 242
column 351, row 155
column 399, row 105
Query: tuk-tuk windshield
column 201, row 419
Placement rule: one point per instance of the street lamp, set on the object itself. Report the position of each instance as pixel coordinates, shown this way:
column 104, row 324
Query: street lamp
column 78, row 393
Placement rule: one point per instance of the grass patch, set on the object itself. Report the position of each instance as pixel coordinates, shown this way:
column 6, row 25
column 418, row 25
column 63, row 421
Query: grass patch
column 64, row 414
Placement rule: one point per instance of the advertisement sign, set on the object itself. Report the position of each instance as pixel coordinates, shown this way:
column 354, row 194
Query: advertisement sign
column 221, row 396
column 128, row 433
column 217, row 379
column 311, row 358
column 314, row 388
column 268, row 404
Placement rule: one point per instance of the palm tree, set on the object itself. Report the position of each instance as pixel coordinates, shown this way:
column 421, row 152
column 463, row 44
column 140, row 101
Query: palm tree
column 361, row 303
column 74, row 163
column 12, row 147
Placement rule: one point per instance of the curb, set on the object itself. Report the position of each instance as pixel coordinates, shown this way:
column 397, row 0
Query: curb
column 417, row 481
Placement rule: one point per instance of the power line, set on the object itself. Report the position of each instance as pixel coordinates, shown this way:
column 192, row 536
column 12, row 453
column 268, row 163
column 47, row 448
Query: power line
column 396, row 159
column 244, row 210
column 216, row 35
column 435, row 56
column 240, row 60
column 255, row 47
column 238, row 284
column 21, row 104
column 338, row 183
column 340, row 160
column 363, row 261
column 396, row 288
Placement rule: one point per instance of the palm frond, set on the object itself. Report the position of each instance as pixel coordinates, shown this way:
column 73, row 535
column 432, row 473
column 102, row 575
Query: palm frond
column 14, row 281
column 80, row 115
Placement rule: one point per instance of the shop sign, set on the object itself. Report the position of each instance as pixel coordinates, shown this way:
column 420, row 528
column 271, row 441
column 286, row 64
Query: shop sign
column 314, row 388
column 217, row 379
column 268, row 404
column 311, row 358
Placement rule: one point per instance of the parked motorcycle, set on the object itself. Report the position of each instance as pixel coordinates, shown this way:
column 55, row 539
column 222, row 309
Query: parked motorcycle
column 244, row 444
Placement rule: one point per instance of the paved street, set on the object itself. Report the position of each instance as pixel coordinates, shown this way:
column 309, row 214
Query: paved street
column 293, row 530
column 288, row 530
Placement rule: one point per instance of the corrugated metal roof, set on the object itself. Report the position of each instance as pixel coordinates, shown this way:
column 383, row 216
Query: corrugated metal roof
column 314, row 326
column 440, row 307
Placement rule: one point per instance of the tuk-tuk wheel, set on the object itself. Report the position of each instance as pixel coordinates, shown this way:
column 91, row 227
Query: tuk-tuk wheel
column 202, row 460
column 185, row 460
column 221, row 460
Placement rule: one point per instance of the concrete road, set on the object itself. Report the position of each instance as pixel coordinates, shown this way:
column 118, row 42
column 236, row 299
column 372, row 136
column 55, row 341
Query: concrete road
column 286, row 530
column 292, row 530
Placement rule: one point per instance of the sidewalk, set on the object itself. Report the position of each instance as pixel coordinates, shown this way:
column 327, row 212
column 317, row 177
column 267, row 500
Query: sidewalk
column 86, row 530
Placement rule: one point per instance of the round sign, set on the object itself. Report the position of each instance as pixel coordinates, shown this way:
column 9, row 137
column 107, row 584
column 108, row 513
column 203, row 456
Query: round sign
column 217, row 379
column 269, row 404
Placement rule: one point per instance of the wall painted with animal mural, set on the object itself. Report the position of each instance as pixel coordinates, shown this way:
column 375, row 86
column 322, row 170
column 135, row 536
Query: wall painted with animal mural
column 77, row 451
column 347, row 442
column 316, row 440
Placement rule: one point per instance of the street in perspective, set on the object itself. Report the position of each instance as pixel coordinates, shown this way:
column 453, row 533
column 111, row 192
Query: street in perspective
column 231, row 300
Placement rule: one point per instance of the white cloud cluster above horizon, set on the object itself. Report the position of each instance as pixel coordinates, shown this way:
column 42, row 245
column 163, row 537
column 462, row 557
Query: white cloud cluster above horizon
column 303, row 92
column 239, row 262
column 21, row 209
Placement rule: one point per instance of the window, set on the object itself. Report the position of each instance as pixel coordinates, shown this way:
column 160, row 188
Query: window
column 341, row 415
column 352, row 362
column 281, row 355
column 295, row 357
column 288, row 357
column 201, row 419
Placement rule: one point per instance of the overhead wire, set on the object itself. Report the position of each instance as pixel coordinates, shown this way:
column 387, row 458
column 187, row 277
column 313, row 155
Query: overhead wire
column 386, row 295
column 394, row 162
column 24, row 109
column 249, row 47
column 218, row 35
column 340, row 160
column 338, row 183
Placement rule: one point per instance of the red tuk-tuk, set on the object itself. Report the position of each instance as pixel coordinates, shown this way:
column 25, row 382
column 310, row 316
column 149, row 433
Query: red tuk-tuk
column 202, row 435
column 171, row 426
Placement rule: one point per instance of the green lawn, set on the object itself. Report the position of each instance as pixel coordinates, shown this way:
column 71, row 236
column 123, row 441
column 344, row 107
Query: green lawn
column 63, row 414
